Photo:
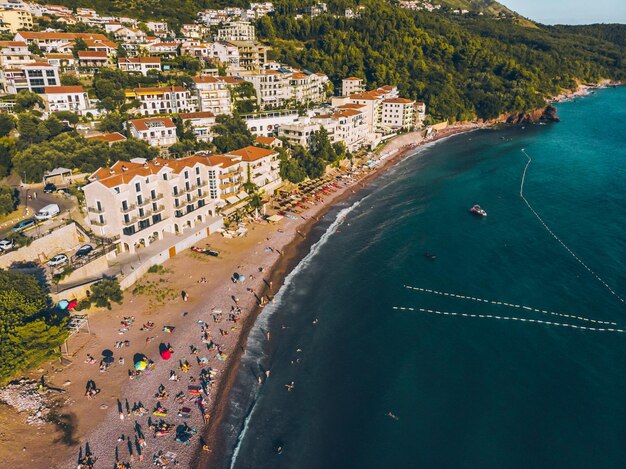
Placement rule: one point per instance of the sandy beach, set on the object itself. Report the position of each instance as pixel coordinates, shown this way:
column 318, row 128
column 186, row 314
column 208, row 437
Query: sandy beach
column 205, row 335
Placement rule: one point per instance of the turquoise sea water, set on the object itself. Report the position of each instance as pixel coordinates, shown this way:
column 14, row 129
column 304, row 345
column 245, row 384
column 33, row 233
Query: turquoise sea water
column 468, row 393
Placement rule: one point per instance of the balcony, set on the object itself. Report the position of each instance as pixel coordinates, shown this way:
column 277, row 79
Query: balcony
column 97, row 223
column 95, row 209
column 130, row 221
column 144, row 202
column 157, row 197
column 128, row 208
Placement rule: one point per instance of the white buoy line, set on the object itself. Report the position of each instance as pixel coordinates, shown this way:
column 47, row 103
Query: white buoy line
column 510, row 305
column 580, row 261
column 511, row 318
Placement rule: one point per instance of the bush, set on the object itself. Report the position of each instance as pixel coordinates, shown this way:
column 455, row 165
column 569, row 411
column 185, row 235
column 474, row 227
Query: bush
column 106, row 291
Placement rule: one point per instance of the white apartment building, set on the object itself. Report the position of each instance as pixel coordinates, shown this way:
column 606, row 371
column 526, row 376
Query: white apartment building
column 159, row 28
column 143, row 201
column 32, row 77
column 13, row 53
column 225, row 53
column 237, row 31
column 201, row 122
column 307, row 87
column 194, row 30
column 166, row 100
column 53, row 41
column 62, row 61
column 252, row 54
column 139, row 64
column 92, row 59
column 168, row 48
column 66, row 98
column 262, row 165
column 267, row 124
column 156, row 131
column 213, row 94
column 279, row 87
column 346, row 125
column 398, row 114
column 131, row 35
column 352, row 85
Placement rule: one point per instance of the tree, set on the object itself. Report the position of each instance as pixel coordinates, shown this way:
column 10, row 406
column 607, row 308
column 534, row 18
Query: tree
column 70, row 80
column 7, row 124
column 79, row 45
column 9, row 199
column 231, row 133
column 26, row 100
column 244, row 98
column 7, row 152
column 54, row 126
column 106, row 291
column 112, row 122
column 321, row 147
column 68, row 116
column 34, row 49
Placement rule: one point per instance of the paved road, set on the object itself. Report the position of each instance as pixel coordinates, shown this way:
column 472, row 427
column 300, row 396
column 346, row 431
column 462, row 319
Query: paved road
column 37, row 202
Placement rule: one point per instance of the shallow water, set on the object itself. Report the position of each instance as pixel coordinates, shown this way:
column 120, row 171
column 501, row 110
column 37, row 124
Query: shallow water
column 467, row 392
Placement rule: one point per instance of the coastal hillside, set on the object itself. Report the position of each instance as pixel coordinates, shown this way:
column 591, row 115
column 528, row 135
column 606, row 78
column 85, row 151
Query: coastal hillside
column 462, row 66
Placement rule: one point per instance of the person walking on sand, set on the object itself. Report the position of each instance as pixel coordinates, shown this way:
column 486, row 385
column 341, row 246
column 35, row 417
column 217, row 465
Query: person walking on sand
column 184, row 295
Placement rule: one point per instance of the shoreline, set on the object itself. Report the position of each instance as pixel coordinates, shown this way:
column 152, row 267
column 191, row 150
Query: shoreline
column 79, row 421
column 294, row 252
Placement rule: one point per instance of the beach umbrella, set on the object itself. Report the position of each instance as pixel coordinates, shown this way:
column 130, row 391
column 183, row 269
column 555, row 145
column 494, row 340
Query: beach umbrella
column 141, row 365
column 166, row 354
column 72, row 304
column 63, row 304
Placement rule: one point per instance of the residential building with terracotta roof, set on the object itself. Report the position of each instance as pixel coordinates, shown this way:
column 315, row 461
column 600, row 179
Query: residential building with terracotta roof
column 51, row 41
column 343, row 125
column 62, row 61
column 237, row 31
column 279, row 87
column 201, row 122
column 271, row 142
column 139, row 64
column 156, row 131
column 144, row 201
column 213, row 94
column 398, row 114
column 131, row 35
column 252, row 54
column 352, row 85
column 92, row 59
column 262, row 166
column 66, row 98
column 164, row 100
column 14, row 53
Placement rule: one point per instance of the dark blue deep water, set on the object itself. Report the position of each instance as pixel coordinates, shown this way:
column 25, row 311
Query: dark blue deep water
column 468, row 393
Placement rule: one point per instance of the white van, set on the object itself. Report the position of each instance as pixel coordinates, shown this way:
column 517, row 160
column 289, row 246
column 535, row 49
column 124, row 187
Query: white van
column 48, row 212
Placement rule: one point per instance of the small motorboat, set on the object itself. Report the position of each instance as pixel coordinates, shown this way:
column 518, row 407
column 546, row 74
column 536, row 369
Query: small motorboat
column 476, row 210
column 430, row 255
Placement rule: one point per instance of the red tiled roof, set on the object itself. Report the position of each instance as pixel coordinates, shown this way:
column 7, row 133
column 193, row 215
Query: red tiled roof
column 63, row 89
column 252, row 153
column 141, row 124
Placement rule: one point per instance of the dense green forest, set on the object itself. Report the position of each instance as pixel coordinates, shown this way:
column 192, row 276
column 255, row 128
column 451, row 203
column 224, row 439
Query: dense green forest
column 460, row 65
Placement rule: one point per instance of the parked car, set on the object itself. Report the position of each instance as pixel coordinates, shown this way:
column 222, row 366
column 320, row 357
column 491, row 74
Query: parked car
column 49, row 188
column 59, row 259
column 84, row 250
column 49, row 211
column 21, row 226
column 6, row 244
column 82, row 127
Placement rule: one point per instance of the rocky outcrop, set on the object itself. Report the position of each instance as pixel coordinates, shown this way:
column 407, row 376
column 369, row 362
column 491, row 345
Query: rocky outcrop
column 547, row 114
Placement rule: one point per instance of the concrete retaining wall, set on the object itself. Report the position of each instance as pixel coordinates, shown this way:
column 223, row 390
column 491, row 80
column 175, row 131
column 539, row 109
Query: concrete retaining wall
column 58, row 241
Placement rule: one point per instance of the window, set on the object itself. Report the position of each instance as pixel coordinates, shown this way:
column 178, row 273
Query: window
column 35, row 73
column 126, row 218
column 175, row 190
column 165, row 176
column 124, row 205
column 50, row 73
column 137, row 187
column 198, row 172
column 186, row 174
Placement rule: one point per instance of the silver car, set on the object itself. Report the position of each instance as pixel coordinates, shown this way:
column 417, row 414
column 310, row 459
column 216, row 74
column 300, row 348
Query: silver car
column 59, row 259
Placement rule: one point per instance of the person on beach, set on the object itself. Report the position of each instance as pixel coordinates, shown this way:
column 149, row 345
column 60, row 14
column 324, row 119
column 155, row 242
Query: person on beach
column 184, row 295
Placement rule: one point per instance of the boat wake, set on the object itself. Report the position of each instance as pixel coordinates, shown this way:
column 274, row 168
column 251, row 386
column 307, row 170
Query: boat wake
column 254, row 355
